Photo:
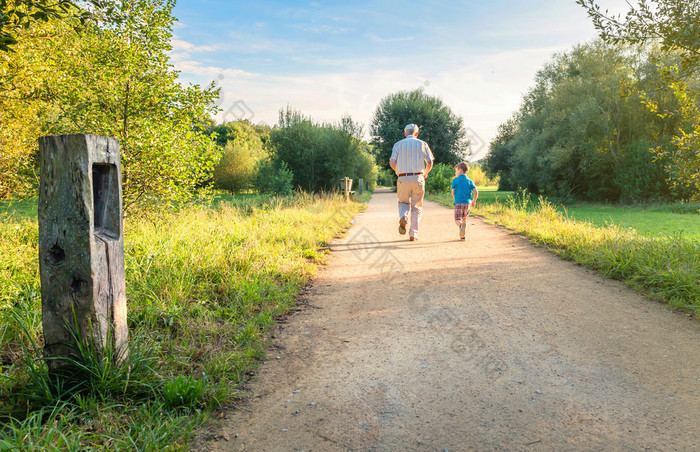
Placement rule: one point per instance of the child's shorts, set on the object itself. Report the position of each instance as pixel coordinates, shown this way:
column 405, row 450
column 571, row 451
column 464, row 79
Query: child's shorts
column 462, row 211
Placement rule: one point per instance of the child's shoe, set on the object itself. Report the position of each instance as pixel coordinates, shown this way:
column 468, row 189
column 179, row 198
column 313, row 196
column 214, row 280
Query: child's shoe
column 462, row 230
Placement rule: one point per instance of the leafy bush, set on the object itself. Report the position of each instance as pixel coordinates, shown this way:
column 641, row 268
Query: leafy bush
column 319, row 155
column 243, row 150
column 386, row 177
column 440, row 178
column 274, row 178
column 480, row 178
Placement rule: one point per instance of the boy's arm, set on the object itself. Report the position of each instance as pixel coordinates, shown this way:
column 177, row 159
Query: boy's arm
column 476, row 195
column 453, row 195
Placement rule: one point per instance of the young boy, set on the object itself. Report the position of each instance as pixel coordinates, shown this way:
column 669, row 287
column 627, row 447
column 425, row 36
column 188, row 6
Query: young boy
column 462, row 188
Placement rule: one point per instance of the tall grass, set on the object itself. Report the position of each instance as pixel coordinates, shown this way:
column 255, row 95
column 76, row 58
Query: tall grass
column 203, row 286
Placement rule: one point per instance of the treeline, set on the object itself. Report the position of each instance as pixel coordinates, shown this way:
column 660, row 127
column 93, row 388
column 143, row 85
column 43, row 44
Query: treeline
column 107, row 72
column 296, row 153
column 598, row 124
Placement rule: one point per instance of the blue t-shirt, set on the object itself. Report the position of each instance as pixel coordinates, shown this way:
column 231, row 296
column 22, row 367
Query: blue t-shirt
column 463, row 187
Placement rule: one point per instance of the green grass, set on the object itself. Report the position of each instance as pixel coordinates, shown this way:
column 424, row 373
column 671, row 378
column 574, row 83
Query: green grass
column 18, row 209
column 204, row 284
column 650, row 221
column 661, row 261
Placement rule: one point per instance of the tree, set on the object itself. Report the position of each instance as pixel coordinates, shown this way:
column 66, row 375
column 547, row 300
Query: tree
column 439, row 126
column 18, row 14
column 579, row 130
column 110, row 77
column 115, row 79
column 243, row 151
column 675, row 24
column 499, row 161
column 319, row 155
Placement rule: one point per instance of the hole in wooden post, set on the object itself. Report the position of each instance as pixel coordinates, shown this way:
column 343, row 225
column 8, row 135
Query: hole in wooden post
column 76, row 285
column 105, row 193
column 56, row 256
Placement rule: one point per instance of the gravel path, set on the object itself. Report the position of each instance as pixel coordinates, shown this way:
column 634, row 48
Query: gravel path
column 492, row 344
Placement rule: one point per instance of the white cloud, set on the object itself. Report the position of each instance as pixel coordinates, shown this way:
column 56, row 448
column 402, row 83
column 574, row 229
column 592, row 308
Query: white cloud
column 484, row 90
column 184, row 46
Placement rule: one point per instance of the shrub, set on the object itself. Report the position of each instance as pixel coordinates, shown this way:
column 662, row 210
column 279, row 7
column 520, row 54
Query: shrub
column 386, row 178
column 440, row 178
column 274, row 178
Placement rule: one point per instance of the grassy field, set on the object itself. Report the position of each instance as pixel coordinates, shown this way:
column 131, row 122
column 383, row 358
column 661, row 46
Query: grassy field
column 655, row 250
column 203, row 286
column 650, row 221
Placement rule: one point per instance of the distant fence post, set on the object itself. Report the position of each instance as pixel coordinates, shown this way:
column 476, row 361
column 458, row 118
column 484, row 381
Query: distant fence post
column 361, row 186
column 81, row 244
column 346, row 187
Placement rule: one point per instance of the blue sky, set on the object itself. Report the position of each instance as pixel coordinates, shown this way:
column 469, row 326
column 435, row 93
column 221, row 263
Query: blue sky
column 330, row 58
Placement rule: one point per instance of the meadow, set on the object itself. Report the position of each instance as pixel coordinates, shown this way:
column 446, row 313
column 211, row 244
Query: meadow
column 655, row 250
column 204, row 283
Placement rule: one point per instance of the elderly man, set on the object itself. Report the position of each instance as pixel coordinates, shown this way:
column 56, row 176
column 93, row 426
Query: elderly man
column 412, row 160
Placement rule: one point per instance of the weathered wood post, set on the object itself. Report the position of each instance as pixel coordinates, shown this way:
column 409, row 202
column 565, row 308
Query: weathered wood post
column 345, row 187
column 361, row 186
column 81, row 244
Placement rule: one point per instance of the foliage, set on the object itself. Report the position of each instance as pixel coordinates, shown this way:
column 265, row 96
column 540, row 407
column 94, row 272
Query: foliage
column 673, row 23
column 243, row 151
column 112, row 78
column 440, row 178
column 203, row 283
column 479, row 176
column 21, row 14
column 319, row 155
column 274, row 178
column 499, row 161
column 676, row 25
column 438, row 126
column 681, row 155
column 386, row 177
column 579, row 129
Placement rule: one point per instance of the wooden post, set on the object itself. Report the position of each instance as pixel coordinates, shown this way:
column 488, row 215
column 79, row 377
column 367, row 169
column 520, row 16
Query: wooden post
column 81, row 244
column 361, row 186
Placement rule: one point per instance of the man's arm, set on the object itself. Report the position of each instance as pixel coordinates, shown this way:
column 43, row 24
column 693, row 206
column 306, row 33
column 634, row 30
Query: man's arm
column 392, row 163
column 429, row 160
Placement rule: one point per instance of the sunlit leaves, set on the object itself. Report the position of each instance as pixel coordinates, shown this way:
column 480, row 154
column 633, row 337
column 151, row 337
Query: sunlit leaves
column 114, row 80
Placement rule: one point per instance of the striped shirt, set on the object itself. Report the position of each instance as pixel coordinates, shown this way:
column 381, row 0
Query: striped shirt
column 410, row 155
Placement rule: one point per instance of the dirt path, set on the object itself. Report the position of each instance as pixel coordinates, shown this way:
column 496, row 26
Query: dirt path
column 491, row 344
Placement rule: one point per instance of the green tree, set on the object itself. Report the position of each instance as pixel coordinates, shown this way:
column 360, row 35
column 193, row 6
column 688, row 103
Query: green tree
column 675, row 24
column 499, row 161
column 439, row 126
column 319, row 155
column 578, row 130
column 117, row 80
column 111, row 77
column 16, row 15
column 243, row 151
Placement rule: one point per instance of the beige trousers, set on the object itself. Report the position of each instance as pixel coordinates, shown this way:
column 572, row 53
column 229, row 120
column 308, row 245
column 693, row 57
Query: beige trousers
column 411, row 190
